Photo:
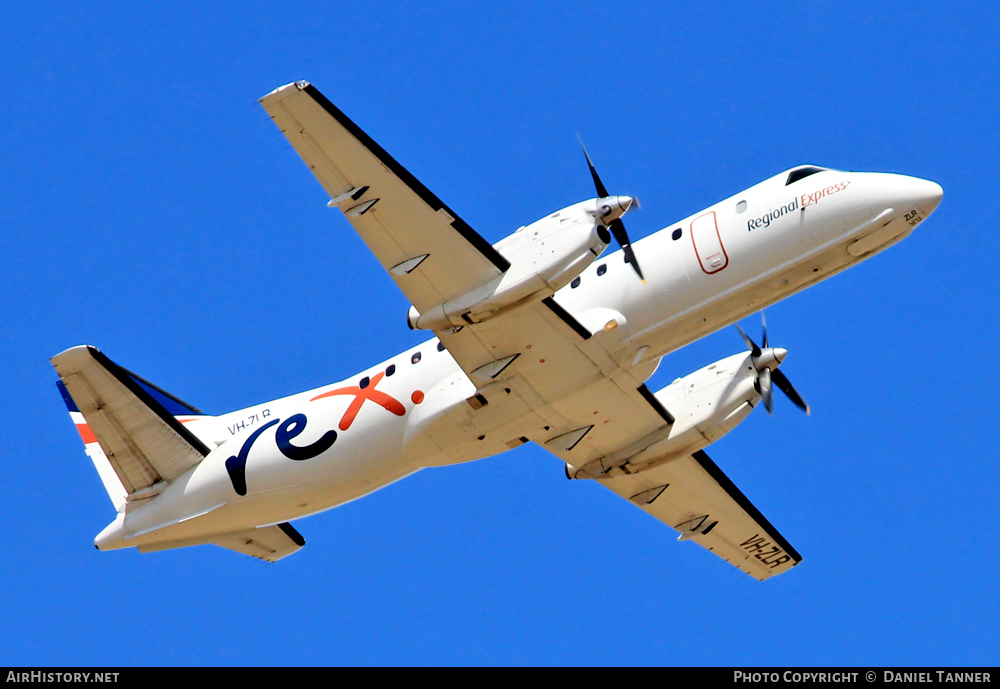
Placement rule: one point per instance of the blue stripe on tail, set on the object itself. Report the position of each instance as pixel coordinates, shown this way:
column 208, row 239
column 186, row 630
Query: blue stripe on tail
column 173, row 405
column 66, row 396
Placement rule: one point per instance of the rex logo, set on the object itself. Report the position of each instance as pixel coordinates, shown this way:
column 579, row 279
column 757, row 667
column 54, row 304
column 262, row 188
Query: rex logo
column 293, row 426
column 363, row 392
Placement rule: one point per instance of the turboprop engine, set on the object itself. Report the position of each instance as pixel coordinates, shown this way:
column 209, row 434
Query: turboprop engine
column 544, row 256
column 706, row 405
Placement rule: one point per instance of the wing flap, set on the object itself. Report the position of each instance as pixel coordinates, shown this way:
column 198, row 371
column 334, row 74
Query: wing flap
column 142, row 441
column 692, row 495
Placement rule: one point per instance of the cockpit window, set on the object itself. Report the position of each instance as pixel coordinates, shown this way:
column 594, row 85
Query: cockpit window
column 796, row 175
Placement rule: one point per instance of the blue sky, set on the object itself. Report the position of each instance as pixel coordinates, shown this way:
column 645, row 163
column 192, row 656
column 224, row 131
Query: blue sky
column 151, row 208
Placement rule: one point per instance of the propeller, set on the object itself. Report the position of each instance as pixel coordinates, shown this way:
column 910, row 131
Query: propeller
column 766, row 360
column 616, row 226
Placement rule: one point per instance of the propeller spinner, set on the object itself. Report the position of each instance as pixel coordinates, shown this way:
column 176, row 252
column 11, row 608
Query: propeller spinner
column 612, row 208
column 766, row 360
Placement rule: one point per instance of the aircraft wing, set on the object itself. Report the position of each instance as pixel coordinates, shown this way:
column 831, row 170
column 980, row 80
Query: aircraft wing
column 611, row 413
column 591, row 406
column 431, row 253
column 692, row 495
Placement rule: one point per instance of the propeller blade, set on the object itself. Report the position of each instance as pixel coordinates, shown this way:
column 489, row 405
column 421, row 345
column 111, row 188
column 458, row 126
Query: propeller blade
column 763, row 319
column 617, row 227
column 618, row 230
column 764, row 377
column 751, row 345
column 598, row 184
column 786, row 387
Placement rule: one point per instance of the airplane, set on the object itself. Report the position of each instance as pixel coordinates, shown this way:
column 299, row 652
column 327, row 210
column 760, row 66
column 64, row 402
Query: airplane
column 542, row 337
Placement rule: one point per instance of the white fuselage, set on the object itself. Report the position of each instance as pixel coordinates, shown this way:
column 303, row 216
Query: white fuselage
column 702, row 274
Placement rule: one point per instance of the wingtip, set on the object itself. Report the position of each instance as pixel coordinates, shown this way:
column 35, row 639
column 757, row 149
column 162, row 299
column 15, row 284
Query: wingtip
column 282, row 92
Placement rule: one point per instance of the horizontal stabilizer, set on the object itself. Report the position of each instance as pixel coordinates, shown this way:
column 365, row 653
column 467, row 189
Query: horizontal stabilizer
column 269, row 543
column 127, row 416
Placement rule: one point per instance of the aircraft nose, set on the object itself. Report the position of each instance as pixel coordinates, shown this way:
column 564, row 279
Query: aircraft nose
column 926, row 194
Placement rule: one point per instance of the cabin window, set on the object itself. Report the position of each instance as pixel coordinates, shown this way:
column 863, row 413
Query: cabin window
column 741, row 207
column 676, row 234
column 795, row 175
column 364, row 382
column 440, row 346
column 390, row 370
column 415, row 358
column 602, row 269
column 575, row 283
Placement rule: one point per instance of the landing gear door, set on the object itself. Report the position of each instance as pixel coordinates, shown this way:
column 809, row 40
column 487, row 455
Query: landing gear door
column 708, row 243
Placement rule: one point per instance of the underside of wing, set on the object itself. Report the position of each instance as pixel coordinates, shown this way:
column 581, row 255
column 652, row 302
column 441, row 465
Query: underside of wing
column 588, row 401
column 431, row 253
column 692, row 495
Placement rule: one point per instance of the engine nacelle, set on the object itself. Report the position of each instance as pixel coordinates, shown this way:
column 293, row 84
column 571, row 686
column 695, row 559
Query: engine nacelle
column 544, row 257
column 705, row 404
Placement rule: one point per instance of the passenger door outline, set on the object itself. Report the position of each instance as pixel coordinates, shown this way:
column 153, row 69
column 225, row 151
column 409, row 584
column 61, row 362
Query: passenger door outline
column 711, row 254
